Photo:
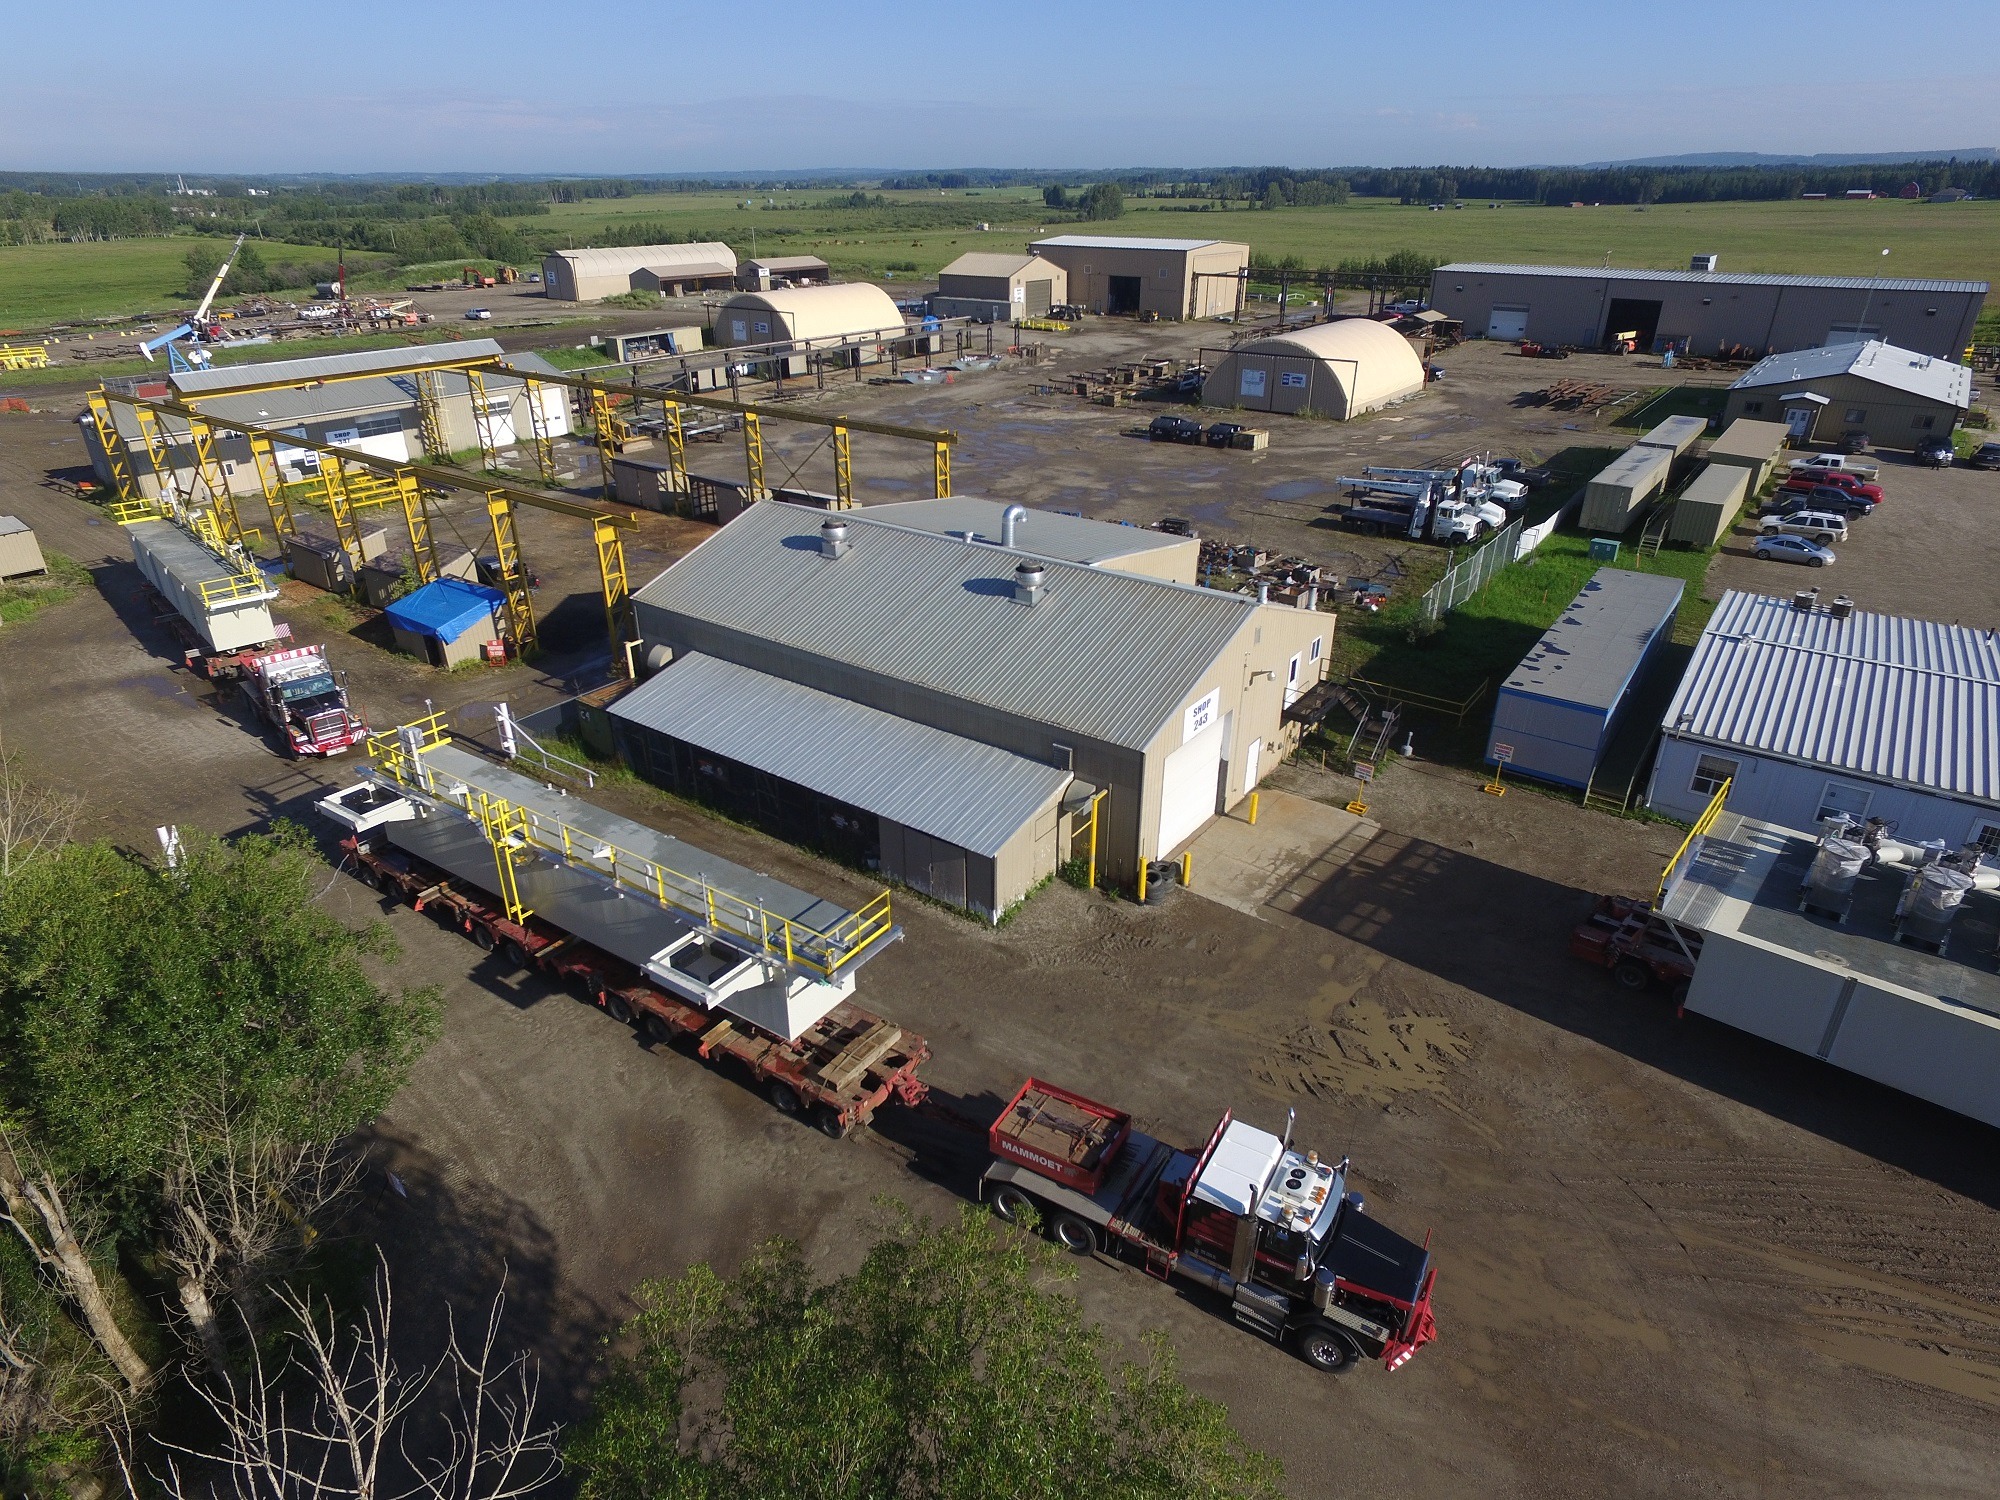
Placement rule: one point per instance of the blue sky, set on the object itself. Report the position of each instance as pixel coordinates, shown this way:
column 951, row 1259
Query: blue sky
column 616, row 86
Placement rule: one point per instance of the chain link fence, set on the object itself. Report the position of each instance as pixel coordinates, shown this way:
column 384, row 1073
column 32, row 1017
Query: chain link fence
column 1470, row 574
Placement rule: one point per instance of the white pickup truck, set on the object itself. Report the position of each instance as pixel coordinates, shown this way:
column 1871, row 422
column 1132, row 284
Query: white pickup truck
column 1844, row 463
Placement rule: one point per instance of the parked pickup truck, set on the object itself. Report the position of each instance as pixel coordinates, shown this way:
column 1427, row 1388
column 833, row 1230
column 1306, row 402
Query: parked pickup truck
column 1807, row 480
column 1845, row 463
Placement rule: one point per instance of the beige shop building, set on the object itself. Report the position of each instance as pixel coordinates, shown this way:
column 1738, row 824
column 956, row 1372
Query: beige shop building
column 1168, row 278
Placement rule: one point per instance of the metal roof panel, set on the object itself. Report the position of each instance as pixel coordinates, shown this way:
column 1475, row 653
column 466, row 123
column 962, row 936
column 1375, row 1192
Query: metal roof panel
column 1713, row 278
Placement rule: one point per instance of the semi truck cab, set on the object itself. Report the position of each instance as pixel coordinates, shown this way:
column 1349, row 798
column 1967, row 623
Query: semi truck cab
column 1275, row 1230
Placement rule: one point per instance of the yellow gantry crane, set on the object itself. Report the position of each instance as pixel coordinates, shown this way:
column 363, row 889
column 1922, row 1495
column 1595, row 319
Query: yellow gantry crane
column 351, row 481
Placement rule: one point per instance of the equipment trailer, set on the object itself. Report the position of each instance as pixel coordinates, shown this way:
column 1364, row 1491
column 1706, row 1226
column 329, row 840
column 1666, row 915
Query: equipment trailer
column 745, row 969
column 1276, row 1232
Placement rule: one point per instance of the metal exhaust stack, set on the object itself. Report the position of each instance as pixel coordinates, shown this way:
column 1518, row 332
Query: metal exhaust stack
column 1028, row 583
column 1010, row 522
column 832, row 538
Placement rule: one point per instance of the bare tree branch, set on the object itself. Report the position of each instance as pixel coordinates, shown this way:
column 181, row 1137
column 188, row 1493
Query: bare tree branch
column 344, row 1429
column 244, row 1206
column 33, row 818
column 37, row 1211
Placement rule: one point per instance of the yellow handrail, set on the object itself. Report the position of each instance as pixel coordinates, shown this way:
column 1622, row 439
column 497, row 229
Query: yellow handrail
column 825, row 951
column 1701, row 826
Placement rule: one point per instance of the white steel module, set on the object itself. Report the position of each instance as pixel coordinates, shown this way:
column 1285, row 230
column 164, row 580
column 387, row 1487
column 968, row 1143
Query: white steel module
column 227, row 603
column 1237, row 1172
column 723, row 936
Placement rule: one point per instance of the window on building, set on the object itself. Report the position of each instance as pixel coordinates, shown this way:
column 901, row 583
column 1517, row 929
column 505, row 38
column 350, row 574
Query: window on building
column 379, row 426
column 1857, row 414
column 1163, row 273
column 1922, row 424
column 1986, row 838
column 1839, row 799
column 1710, row 771
column 1319, row 645
column 1753, row 408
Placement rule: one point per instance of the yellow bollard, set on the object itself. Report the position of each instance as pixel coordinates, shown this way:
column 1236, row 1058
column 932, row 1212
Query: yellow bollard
column 1187, row 868
column 1253, row 807
column 1142, row 882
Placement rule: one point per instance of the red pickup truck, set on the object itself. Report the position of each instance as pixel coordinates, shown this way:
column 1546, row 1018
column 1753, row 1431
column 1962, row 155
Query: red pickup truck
column 1806, row 479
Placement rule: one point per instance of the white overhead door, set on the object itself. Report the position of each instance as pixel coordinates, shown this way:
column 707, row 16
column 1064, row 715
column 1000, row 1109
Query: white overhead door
column 1509, row 324
column 1190, row 786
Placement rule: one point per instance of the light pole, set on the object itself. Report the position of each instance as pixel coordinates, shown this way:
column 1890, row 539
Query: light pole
column 1862, row 327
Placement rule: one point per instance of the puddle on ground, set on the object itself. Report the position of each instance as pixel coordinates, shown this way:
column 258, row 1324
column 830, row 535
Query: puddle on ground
column 1359, row 1050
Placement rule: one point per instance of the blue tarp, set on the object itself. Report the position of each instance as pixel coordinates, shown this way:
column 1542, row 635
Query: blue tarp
column 446, row 609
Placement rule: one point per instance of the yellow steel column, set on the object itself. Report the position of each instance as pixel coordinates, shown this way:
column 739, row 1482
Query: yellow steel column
column 941, row 466
column 271, row 480
column 201, row 440
column 513, row 581
column 843, row 471
column 1095, row 803
column 538, row 427
column 677, row 457
column 604, row 428
column 611, row 569
column 159, row 453
column 117, row 457
column 753, row 454
column 333, row 482
column 417, row 518
column 482, row 420
column 430, row 415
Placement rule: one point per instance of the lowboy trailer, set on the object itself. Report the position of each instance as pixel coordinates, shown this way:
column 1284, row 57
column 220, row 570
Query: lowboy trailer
column 1275, row 1231
column 655, row 933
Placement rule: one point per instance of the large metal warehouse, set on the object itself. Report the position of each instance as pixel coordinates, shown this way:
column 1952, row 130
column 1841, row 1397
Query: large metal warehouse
column 856, row 320
column 1560, row 706
column 588, row 275
column 1811, row 710
column 1705, row 312
column 1896, row 396
column 991, row 288
column 334, row 399
column 1168, row 278
column 1025, row 671
column 1339, row 369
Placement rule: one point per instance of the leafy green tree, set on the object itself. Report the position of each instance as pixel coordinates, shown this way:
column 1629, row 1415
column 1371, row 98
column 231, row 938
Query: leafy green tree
column 1055, row 195
column 1105, row 200
column 946, row 1366
column 132, row 995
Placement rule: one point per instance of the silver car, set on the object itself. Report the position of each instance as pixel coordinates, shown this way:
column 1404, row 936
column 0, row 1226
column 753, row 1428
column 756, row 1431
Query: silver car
column 1791, row 549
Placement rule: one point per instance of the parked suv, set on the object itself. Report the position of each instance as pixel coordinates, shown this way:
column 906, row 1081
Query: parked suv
column 1174, row 430
column 1985, row 456
column 1814, row 525
column 1935, row 452
column 1811, row 479
column 1820, row 497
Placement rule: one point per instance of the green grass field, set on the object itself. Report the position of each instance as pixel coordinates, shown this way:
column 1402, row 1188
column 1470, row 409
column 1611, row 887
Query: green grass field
column 44, row 284
column 913, row 234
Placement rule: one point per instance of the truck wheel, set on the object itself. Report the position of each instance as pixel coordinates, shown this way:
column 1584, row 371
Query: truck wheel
column 1011, row 1205
column 1325, row 1349
column 518, row 956
column 784, row 1098
column 1075, row 1235
column 831, row 1123
column 368, row 877
column 1632, row 975
column 655, row 1030
column 481, row 937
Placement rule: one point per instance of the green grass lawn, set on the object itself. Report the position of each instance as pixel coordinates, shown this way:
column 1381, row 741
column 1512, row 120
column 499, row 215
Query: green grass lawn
column 43, row 284
column 23, row 598
column 1675, row 401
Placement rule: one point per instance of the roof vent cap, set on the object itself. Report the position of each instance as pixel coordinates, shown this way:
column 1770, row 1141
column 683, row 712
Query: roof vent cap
column 832, row 538
column 1703, row 262
column 1028, row 583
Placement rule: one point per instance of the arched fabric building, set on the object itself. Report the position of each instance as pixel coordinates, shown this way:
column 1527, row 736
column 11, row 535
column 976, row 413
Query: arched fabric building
column 860, row 319
column 586, row 275
column 1339, row 370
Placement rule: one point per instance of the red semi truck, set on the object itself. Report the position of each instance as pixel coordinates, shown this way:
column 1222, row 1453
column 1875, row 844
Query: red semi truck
column 1276, row 1231
column 297, row 693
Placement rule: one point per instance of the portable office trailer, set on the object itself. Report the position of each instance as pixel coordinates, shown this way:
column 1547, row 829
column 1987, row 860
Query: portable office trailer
column 1625, row 487
column 654, row 343
column 1708, row 506
column 1752, row 446
column 20, row 553
column 1558, row 709
column 1676, row 434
